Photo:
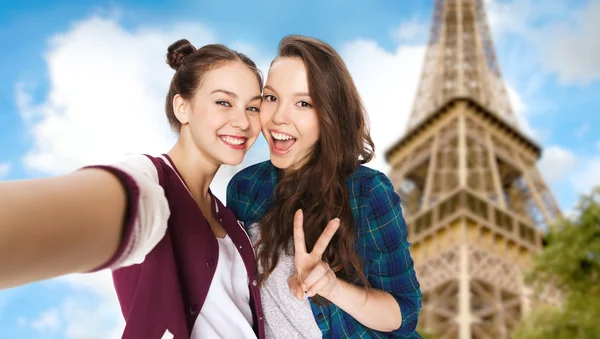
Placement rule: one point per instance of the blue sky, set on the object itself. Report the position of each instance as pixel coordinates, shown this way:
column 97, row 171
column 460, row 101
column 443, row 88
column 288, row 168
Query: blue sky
column 84, row 82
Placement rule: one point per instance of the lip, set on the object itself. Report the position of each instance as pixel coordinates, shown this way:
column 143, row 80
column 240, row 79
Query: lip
column 235, row 147
column 280, row 132
column 272, row 142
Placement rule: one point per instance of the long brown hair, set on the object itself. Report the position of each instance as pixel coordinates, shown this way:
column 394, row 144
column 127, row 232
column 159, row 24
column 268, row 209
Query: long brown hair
column 319, row 186
column 191, row 64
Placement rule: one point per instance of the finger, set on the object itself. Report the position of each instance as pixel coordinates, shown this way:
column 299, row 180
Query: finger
column 318, row 286
column 325, row 238
column 315, row 275
column 295, row 288
column 297, row 292
column 299, row 244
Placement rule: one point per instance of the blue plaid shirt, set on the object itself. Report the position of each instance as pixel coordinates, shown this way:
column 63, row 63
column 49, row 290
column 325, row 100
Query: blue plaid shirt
column 381, row 237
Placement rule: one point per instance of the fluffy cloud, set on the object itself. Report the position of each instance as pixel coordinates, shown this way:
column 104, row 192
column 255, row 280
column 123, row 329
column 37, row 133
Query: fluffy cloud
column 106, row 97
column 48, row 322
column 587, row 177
column 556, row 163
column 4, row 169
column 387, row 82
column 411, row 30
column 578, row 171
column 103, row 101
column 520, row 111
column 571, row 54
column 574, row 52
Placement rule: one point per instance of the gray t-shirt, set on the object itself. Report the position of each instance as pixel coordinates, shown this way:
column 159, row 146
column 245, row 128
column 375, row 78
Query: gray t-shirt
column 285, row 316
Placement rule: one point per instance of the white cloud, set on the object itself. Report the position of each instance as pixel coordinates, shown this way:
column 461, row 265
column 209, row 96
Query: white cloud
column 4, row 169
column 81, row 315
column 520, row 111
column 47, row 322
column 556, row 163
column 562, row 34
column 91, row 310
column 92, row 321
column 387, row 82
column 522, row 16
column 411, row 30
column 106, row 97
column 575, row 51
column 100, row 283
column 587, row 177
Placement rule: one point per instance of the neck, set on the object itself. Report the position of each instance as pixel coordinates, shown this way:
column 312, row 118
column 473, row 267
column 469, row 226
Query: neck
column 195, row 167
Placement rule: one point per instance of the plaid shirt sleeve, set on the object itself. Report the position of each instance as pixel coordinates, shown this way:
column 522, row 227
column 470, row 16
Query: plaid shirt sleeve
column 391, row 267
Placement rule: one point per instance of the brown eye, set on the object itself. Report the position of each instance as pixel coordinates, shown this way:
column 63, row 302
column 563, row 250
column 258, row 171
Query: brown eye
column 304, row 104
column 270, row 98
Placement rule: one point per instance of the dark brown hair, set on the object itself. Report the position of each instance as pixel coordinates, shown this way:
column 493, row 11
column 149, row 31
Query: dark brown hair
column 319, row 186
column 190, row 65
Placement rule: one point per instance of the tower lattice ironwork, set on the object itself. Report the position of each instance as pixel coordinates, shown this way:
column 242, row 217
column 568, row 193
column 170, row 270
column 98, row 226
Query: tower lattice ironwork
column 475, row 203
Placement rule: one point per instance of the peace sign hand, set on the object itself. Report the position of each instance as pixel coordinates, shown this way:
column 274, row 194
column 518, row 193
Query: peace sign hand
column 312, row 275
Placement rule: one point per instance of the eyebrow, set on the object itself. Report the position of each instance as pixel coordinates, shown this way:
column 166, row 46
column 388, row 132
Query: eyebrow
column 233, row 95
column 298, row 94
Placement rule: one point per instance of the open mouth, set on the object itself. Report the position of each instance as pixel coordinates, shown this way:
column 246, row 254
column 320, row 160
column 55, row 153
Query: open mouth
column 234, row 142
column 282, row 142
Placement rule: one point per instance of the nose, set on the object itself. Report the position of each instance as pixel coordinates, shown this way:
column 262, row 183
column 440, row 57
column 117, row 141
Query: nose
column 240, row 120
column 281, row 115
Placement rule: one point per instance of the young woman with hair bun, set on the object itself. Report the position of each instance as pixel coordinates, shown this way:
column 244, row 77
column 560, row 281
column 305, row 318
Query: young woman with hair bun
column 182, row 265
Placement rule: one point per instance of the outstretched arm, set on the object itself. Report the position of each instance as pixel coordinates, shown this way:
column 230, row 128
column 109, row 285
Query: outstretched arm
column 59, row 225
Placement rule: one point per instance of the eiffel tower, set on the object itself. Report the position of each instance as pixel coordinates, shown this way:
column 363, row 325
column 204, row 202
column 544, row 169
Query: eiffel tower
column 475, row 203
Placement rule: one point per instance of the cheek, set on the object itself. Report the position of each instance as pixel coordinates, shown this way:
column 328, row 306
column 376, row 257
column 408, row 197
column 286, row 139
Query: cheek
column 266, row 112
column 201, row 117
column 255, row 125
column 310, row 126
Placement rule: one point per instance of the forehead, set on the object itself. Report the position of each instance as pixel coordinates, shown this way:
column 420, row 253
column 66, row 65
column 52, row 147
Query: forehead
column 235, row 77
column 288, row 74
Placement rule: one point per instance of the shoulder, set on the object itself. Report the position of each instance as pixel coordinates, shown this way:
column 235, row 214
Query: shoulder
column 366, row 182
column 251, row 178
column 137, row 163
column 250, row 191
column 377, row 203
column 255, row 172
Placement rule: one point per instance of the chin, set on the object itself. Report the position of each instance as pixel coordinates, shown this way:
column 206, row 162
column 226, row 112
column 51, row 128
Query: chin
column 233, row 161
column 280, row 163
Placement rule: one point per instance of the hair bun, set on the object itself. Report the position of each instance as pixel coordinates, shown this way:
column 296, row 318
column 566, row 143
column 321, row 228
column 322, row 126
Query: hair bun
column 178, row 51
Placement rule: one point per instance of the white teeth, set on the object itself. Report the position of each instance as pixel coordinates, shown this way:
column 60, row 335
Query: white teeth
column 233, row 140
column 281, row 136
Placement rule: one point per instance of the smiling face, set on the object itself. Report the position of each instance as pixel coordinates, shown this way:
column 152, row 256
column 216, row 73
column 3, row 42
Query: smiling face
column 289, row 119
column 222, row 118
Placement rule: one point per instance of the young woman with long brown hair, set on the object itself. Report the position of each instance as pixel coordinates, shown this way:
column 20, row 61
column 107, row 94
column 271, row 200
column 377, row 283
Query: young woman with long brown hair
column 325, row 227
column 182, row 265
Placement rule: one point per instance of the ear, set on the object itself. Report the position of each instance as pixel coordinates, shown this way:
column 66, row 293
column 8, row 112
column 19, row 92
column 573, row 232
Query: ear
column 181, row 109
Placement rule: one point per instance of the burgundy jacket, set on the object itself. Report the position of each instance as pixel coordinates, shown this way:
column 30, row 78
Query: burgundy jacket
column 167, row 290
